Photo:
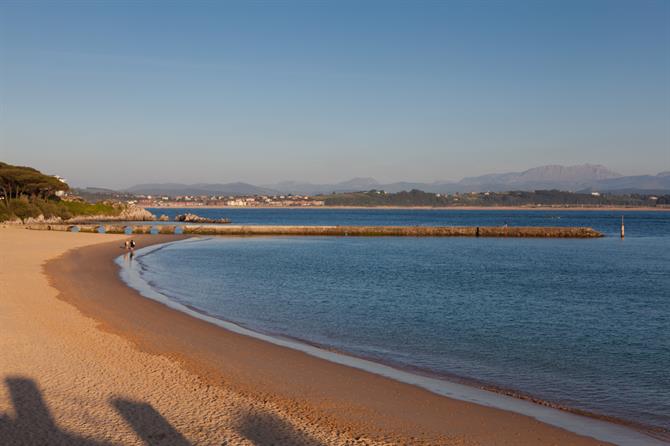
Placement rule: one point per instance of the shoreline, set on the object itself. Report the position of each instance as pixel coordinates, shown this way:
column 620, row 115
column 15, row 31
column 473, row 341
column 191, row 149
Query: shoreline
column 206, row 364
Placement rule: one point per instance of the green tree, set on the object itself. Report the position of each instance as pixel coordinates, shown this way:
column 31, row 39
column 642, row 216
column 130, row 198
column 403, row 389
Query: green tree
column 18, row 181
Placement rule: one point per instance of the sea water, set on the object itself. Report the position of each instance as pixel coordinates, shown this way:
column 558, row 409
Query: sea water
column 580, row 323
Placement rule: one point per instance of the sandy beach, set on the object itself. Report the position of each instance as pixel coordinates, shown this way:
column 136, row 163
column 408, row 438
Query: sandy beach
column 87, row 360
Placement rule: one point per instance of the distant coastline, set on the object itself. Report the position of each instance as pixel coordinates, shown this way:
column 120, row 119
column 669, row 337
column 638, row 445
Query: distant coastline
column 445, row 208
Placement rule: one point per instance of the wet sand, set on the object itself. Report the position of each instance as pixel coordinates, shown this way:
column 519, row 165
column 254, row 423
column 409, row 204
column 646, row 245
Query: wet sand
column 87, row 360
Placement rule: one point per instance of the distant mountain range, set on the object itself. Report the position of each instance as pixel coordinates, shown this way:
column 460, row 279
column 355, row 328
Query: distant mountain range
column 174, row 189
column 581, row 178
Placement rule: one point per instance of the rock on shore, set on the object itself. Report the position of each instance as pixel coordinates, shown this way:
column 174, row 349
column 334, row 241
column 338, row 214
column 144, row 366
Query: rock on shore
column 40, row 219
column 193, row 218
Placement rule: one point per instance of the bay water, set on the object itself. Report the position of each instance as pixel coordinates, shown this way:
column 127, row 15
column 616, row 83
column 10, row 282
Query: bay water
column 579, row 323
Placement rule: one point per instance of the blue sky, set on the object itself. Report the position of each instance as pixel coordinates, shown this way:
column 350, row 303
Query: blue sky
column 116, row 93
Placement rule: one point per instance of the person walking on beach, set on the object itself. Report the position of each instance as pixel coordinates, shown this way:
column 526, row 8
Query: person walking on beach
column 132, row 248
column 126, row 245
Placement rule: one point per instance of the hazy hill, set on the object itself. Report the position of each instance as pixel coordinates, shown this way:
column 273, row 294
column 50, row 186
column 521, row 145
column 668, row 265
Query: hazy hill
column 174, row 189
column 586, row 177
column 304, row 188
column 650, row 183
column 569, row 178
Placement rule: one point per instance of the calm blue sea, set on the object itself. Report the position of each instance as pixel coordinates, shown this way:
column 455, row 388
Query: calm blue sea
column 580, row 323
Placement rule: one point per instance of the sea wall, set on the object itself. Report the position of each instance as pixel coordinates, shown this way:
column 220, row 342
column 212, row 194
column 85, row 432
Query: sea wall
column 396, row 231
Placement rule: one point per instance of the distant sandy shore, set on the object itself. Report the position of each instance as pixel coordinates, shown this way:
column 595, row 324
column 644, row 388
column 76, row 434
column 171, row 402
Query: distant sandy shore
column 449, row 208
column 87, row 360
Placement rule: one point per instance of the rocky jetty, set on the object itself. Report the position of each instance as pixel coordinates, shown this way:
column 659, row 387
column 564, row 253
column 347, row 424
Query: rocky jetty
column 365, row 231
column 193, row 218
column 34, row 221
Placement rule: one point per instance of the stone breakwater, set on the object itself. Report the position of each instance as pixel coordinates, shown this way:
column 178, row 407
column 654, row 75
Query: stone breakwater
column 366, row 231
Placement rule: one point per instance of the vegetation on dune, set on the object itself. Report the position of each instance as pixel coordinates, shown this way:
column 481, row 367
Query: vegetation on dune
column 84, row 208
column 27, row 193
column 25, row 207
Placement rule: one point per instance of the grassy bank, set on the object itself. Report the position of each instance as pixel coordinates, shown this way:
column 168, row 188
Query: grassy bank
column 24, row 208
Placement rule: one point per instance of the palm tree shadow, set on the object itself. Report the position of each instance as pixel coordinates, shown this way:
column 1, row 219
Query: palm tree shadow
column 265, row 429
column 148, row 423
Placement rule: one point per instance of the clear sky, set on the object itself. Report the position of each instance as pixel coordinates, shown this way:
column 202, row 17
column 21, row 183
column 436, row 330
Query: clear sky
column 117, row 93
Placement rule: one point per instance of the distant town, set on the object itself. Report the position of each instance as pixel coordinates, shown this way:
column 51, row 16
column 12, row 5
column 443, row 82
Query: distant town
column 225, row 201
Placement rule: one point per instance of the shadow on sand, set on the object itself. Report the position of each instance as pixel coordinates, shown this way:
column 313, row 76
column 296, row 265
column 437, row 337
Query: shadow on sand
column 264, row 429
column 33, row 423
column 148, row 423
